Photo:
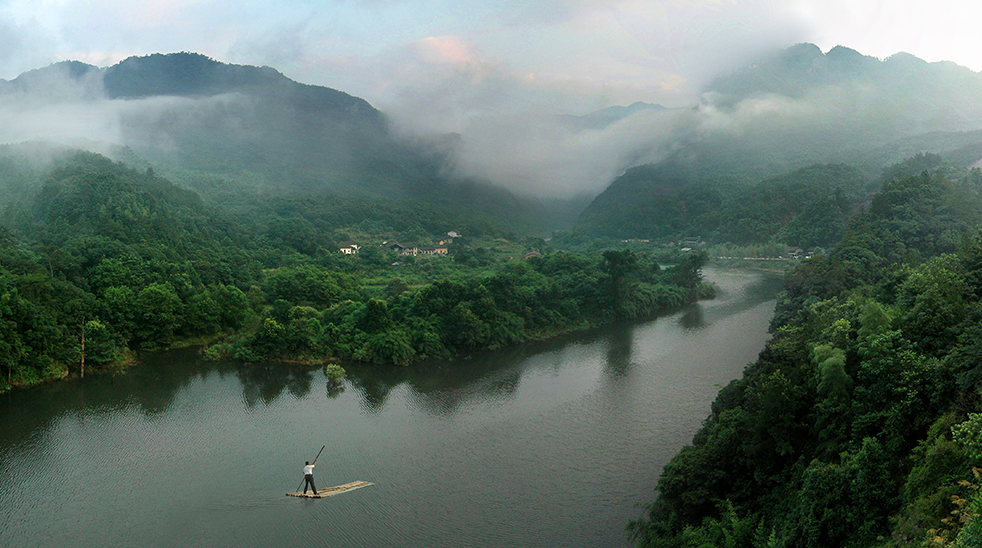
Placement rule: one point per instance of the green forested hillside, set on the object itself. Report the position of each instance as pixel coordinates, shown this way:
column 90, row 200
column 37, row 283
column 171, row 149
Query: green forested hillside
column 807, row 207
column 859, row 425
column 126, row 261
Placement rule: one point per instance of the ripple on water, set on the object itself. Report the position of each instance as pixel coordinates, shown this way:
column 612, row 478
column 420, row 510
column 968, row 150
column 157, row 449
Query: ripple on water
column 550, row 444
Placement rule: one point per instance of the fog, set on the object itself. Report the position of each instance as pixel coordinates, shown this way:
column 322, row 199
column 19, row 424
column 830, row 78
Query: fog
column 499, row 76
column 544, row 156
column 785, row 122
column 519, row 134
column 503, row 140
column 53, row 106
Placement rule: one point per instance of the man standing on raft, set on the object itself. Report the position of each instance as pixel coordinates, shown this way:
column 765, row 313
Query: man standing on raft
column 308, row 476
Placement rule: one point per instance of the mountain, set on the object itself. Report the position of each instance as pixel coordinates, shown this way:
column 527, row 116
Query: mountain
column 235, row 133
column 807, row 207
column 600, row 119
column 791, row 109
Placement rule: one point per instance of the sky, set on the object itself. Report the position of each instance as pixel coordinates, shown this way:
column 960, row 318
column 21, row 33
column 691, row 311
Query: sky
column 569, row 55
column 460, row 66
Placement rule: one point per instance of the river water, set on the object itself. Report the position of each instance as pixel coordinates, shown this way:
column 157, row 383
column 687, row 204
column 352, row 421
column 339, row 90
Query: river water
column 551, row 444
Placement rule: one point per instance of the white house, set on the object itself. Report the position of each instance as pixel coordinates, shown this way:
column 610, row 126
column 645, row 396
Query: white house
column 349, row 247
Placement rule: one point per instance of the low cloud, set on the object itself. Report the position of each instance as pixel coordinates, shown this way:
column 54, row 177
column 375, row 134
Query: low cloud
column 509, row 126
column 54, row 106
column 498, row 75
column 545, row 156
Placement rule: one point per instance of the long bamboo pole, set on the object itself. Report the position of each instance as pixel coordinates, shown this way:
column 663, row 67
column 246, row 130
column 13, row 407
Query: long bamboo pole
column 315, row 462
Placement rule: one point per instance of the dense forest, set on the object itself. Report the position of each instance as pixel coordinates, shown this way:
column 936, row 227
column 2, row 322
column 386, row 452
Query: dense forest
column 806, row 207
column 860, row 423
column 102, row 260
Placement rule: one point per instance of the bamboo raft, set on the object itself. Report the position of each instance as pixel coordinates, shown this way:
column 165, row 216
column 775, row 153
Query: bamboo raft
column 331, row 491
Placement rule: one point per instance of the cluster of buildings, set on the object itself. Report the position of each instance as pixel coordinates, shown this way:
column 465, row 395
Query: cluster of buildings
column 798, row 253
column 351, row 248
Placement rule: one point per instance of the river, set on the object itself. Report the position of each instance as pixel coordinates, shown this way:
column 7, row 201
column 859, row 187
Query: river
column 550, row 444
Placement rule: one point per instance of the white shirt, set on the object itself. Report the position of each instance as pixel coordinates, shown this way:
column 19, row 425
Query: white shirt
column 308, row 470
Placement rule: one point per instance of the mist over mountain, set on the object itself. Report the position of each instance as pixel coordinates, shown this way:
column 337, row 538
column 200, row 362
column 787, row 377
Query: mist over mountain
column 603, row 118
column 194, row 112
column 795, row 108
column 227, row 130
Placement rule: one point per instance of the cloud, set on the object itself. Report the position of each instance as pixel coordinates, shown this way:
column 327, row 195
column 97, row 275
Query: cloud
column 507, row 124
column 486, row 71
column 446, row 49
column 540, row 155
column 23, row 46
column 53, row 106
column 500, row 87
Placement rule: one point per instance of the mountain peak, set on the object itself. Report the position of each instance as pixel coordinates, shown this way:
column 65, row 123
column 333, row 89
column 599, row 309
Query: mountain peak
column 801, row 53
column 905, row 59
column 58, row 81
column 183, row 74
column 796, row 70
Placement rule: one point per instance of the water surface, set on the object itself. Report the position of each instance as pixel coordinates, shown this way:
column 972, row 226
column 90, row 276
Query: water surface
column 550, row 444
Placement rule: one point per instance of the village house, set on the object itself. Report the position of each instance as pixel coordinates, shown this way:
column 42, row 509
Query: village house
column 794, row 253
column 433, row 250
column 349, row 247
column 403, row 249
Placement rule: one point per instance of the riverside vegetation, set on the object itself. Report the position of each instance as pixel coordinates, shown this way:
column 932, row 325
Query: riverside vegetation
column 121, row 260
column 860, row 424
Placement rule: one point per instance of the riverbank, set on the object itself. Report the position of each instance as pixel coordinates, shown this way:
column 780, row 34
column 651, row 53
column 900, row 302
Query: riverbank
column 539, row 300
column 468, row 452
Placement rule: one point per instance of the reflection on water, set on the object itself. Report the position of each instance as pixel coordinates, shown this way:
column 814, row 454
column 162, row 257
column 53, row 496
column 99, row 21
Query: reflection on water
column 692, row 317
column 264, row 382
column 619, row 345
column 334, row 388
column 548, row 444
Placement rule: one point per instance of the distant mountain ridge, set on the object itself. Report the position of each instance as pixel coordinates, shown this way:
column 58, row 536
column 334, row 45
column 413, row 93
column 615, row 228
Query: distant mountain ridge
column 188, row 75
column 794, row 71
column 225, row 129
column 604, row 117
column 794, row 108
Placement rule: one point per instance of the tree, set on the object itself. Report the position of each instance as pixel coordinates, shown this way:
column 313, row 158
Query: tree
column 932, row 303
column 160, row 313
column 619, row 265
column 102, row 345
column 303, row 284
column 374, row 317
